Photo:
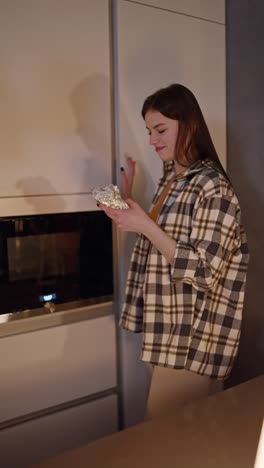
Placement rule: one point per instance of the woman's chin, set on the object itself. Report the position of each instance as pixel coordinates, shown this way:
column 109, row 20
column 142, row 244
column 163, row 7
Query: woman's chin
column 166, row 158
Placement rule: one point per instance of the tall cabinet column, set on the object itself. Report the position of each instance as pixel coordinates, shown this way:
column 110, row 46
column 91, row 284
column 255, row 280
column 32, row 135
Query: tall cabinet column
column 159, row 43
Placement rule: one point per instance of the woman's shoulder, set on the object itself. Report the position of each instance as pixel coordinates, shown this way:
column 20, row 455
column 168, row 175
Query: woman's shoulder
column 211, row 181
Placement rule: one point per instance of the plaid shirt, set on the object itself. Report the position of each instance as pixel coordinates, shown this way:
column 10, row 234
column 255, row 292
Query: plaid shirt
column 190, row 312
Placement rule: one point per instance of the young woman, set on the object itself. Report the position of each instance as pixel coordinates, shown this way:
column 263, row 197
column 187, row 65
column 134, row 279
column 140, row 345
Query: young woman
column 186, row 284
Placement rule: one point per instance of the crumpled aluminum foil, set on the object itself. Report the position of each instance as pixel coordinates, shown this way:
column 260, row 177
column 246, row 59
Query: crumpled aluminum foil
column 109, row 196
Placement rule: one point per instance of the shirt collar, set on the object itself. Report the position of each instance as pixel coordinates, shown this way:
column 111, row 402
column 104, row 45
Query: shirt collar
column 195, row 167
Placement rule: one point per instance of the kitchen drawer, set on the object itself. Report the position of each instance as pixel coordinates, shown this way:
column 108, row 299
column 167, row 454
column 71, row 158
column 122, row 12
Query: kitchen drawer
column 47, row 436
column 55, row 365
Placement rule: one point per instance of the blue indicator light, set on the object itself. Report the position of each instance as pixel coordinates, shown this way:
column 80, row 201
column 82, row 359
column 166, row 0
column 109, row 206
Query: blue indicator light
column 47, row 297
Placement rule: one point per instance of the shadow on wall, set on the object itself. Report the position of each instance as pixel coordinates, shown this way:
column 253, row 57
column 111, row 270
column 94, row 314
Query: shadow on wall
column 91, row 109
column 250, row 190
column 40, row 185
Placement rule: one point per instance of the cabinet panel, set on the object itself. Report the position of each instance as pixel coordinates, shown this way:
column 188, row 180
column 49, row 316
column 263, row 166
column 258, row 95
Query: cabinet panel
column 21, row 206
column 55, row 101
column 213, row 10
column 42, row 438
column 156, row 48
column 55, row 365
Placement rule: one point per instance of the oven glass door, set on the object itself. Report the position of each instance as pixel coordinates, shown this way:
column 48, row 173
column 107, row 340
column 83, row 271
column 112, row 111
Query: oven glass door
column 61, row 258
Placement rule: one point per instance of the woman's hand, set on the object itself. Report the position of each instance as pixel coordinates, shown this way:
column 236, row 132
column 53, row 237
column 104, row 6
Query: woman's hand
column 127, row 179
column 134, row 219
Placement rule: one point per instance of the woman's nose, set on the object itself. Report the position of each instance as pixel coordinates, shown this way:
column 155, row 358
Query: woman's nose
column 153, row 139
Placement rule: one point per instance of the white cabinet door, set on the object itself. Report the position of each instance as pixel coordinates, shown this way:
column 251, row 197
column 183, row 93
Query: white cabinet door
column 48, row 436
column 55, row 365
column 55, row 131
column 155, row 48
column 212, row 10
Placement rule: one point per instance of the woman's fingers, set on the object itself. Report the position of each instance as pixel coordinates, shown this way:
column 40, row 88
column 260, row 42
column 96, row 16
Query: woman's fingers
column 127, row 178
column 124, row 183
column 131, row 171
column 134, row 219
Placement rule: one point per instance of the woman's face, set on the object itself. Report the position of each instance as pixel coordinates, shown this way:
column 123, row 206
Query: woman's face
column 163, row 134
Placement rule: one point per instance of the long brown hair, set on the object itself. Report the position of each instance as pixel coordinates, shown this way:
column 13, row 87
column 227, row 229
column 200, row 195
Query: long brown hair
column 194, row 141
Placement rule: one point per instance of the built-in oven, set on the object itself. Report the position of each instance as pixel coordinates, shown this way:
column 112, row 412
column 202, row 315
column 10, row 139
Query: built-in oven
column 57, row 258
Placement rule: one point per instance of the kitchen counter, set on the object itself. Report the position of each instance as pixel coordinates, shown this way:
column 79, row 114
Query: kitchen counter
column 221, row 431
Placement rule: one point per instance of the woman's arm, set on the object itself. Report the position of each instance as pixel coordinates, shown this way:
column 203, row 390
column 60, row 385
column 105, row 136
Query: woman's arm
column 217, row 245
column 214, row 237
column 137, row 220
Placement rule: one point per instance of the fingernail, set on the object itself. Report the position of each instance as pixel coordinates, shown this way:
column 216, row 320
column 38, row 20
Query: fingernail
column 121, row 168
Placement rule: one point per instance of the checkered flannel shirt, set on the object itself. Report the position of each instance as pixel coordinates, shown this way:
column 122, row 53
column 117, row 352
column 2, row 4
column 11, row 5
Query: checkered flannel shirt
column 190, row 312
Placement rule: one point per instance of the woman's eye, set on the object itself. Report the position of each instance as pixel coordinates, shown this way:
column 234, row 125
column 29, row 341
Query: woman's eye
column 159, row 131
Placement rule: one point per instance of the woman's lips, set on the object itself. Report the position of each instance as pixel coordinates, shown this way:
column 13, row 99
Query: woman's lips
column 159, row 148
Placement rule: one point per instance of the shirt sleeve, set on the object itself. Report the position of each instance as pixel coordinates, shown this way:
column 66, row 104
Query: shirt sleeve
column 213, row 240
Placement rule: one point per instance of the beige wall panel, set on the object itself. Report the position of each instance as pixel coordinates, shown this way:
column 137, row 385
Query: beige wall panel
column 213, row 10
column 189, row 51
column 55, row 101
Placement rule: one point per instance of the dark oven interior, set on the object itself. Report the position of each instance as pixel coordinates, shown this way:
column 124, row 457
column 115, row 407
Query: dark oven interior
column 61, row 258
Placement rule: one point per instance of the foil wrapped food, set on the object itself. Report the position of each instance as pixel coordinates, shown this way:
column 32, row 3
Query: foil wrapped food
column 110, row 196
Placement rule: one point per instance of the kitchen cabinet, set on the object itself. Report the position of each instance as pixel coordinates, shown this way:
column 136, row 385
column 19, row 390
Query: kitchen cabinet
column 60, row 75
column 47, row 436
column 55, row 132
column 44, row 368
column 58, row 388
column 204, row 9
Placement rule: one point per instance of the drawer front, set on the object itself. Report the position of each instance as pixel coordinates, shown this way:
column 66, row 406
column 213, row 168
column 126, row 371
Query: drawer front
column 50, row 435
column 55, row 365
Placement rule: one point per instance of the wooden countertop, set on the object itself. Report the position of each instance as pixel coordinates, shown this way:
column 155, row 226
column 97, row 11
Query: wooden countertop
column 221, row 431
